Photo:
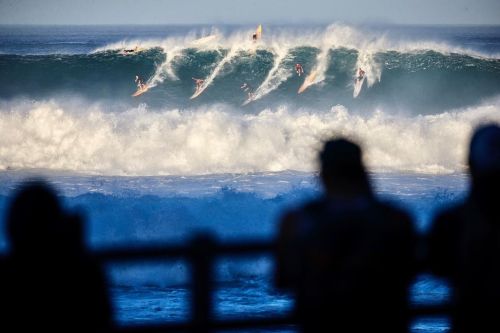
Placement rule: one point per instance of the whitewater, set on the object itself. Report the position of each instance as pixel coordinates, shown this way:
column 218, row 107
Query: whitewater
column 158, row 167
column 208, row 140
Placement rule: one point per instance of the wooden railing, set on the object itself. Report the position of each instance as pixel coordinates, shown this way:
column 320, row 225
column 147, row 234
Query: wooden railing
column 201, row 254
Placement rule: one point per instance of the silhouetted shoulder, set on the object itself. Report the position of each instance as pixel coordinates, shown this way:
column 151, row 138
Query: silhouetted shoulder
column 445, row 239
column 297, row 221
column 293, row 229
column 399, row 219
column 393, row 211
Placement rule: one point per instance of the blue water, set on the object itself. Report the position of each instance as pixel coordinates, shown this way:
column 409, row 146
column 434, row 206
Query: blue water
column 145, row 210
column 157, row 168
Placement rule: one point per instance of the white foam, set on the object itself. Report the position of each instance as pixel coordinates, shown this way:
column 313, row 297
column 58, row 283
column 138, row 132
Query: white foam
column 89, row 138
column 165, row 70
column 276, row 76
column 334, row 36
column 220, row 65
column 175, row 50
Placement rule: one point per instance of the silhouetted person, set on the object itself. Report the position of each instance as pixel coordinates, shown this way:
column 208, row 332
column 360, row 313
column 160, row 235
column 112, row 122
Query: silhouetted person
column 348, row 257
column 464, row 242
column 48, row 283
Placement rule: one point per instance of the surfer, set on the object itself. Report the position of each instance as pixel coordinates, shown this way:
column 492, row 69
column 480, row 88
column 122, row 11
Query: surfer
column 246, row 88
column 140, row 82
column 361, row 74
column 257, row 34
column 198, row 82
column 299, row 69
column 131, row 50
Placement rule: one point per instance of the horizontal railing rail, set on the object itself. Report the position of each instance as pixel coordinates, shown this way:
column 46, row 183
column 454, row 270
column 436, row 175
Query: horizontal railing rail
column 201, row 254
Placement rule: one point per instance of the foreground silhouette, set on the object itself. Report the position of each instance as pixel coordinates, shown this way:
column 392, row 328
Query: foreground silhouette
column 48, row 283
column 464, row 243
column 348, row 257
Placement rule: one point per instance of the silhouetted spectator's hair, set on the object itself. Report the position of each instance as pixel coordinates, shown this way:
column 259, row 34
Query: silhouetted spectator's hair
column 34, row 217
column 341, row 162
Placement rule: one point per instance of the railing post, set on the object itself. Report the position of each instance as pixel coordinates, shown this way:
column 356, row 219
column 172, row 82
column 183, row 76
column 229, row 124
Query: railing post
column 202, row 282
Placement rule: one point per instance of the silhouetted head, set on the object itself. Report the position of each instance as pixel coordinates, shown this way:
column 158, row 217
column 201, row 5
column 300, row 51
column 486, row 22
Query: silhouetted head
column 342, row 170
column 36, row 222
column 484, row 159
column 484, row 153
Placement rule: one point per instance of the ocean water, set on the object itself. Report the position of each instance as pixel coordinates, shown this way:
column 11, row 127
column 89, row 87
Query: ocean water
column 159, row 167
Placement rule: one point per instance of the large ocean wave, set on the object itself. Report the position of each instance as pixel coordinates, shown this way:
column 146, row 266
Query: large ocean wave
column 423, row 77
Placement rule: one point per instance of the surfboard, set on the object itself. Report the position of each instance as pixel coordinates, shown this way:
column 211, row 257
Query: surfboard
column 258, row 31
column 251, row 99
column 357, row 87
column 307, row 82
column 140, row 91
column 199, row 91
column 133, row 51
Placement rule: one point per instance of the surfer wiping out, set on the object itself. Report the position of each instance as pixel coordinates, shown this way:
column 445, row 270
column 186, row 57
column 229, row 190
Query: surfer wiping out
column 299, row 69
column 198, row 82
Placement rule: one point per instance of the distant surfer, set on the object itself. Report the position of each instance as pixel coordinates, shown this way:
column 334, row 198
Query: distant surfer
column 358, row 82
column 135, row 49
column 140, row 82
column 198, row 82
column 246, row 88
column 299, row 69
column 361, row 75
column 257, row 34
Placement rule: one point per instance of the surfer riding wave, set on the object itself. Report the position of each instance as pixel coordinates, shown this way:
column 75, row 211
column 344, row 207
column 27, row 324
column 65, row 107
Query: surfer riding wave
column 140, row 82
column 360, row 75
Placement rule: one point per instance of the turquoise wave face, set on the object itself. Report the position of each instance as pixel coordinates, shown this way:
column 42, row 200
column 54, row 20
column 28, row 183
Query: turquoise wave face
column 419, row 81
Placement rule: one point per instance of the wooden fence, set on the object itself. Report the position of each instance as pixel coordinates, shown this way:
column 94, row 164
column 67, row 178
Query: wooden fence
column 201, row 254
